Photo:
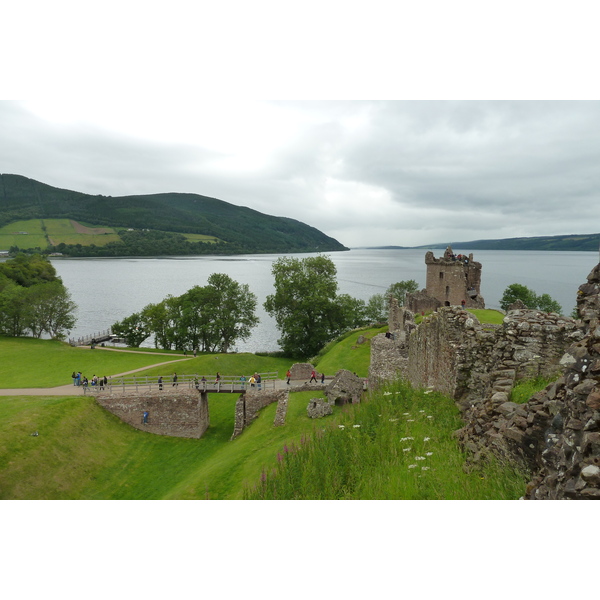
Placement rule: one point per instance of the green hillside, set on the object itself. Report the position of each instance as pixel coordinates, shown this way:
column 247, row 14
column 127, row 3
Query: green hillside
column 154, row 224
column 584, row 243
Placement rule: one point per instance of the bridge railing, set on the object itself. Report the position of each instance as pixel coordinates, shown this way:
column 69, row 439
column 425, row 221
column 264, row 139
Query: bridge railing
column 87, row 339
column 226, row 383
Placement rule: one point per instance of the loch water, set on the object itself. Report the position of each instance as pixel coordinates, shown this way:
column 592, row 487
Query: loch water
column 109, row 289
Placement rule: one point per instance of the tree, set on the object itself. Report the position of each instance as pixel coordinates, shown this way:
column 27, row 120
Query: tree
column 401, row 288
column 211, row 318
column 547, row 304
column 230, row 310
column 376, row 309
column 133, row 329
column 530, row 299
column 50, row 309
column 304, row 303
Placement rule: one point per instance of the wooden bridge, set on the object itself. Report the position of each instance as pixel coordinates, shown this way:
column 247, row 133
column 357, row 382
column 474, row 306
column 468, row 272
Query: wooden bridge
column 227, row 384
column 95, row 338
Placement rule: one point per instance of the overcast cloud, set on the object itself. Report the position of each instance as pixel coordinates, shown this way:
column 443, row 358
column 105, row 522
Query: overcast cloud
column 366, row 173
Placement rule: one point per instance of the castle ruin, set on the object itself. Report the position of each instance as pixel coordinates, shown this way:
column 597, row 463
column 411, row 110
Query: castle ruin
column 452, row 280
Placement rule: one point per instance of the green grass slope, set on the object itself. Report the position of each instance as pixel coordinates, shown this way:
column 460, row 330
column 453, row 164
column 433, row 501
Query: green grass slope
column 35, row 363
column 84, row 452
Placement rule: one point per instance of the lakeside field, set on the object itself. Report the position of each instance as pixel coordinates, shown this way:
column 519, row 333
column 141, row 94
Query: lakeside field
column 397, row 444
column 39, row 233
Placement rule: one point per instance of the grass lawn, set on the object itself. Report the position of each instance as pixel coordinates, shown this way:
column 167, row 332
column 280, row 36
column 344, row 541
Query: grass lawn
column 348, row 354
column 34, row 363
column 486, row 315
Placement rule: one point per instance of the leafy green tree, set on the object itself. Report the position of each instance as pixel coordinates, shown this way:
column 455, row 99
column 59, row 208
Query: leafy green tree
column 50, row 309
column 211, row 318
column 376, row 309
column 13, row 316
column 304, row 303
column 516, row 291
column 352, row 313
column 230, row 309
column 133, row 329
column 547, row 304
column 401, row 288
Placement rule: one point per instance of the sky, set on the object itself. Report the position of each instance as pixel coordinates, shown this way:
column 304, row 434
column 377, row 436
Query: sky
column 365, row 172
column 380, row 123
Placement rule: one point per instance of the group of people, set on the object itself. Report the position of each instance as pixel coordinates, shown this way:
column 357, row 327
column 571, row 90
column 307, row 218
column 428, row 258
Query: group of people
column 254, row 381
column 81, row 380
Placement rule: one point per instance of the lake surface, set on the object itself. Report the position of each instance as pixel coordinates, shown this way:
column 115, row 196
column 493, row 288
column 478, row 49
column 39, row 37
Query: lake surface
column 108, row 289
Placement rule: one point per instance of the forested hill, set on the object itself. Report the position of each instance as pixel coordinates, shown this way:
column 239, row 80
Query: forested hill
column 238, row 229
column 584, row 242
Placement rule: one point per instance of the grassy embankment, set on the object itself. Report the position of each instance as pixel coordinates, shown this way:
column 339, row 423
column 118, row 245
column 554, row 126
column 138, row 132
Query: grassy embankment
column 84, row 452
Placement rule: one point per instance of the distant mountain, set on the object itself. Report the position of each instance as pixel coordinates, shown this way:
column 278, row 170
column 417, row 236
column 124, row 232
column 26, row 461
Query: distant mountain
column 585, row 243
column 238, row 229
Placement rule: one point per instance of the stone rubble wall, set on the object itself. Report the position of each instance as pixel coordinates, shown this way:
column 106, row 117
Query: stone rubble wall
column 301, row 371
column 346, row 387
column 184, row 414
column 250, row 404
column 556, row 434
column 319, row 407
column 453, row 353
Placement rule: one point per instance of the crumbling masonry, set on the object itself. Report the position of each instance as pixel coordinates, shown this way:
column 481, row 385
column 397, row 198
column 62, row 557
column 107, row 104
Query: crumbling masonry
column 556, row 434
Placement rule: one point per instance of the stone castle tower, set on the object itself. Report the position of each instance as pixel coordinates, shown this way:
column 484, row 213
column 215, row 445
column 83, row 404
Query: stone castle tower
column 452, row 280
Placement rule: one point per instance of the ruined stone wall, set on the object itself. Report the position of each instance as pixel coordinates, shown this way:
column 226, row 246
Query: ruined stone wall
column 184, row 414
column 453, row 353
column 301, row 371
column 250, row 404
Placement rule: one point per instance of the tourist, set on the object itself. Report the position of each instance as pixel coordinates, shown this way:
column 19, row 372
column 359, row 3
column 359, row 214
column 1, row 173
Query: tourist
column 252, row 381
column 175, row 384
column 74, row 377
column 243, row 381
column 289, row 376
column 160, row 382
column 146, row 415
column 313, row 376
column 217, row 378
column 322, row 378
column 258, row 380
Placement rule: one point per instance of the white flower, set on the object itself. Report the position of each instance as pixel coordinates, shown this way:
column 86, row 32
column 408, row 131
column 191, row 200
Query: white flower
column 406, row 449
column 429, row 417
column 411, row 466
column 387, row 393
column 410, row 420
column 428, row 453
column 393, row 420
column 406, row 414
column 428, row 391
column 341, row 426
column 424, row 468
column 421, row 411
column 426, row 439
column 419, row 458
column 355, row 425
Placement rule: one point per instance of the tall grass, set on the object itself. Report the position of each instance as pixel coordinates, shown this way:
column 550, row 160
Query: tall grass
column 397, row 445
